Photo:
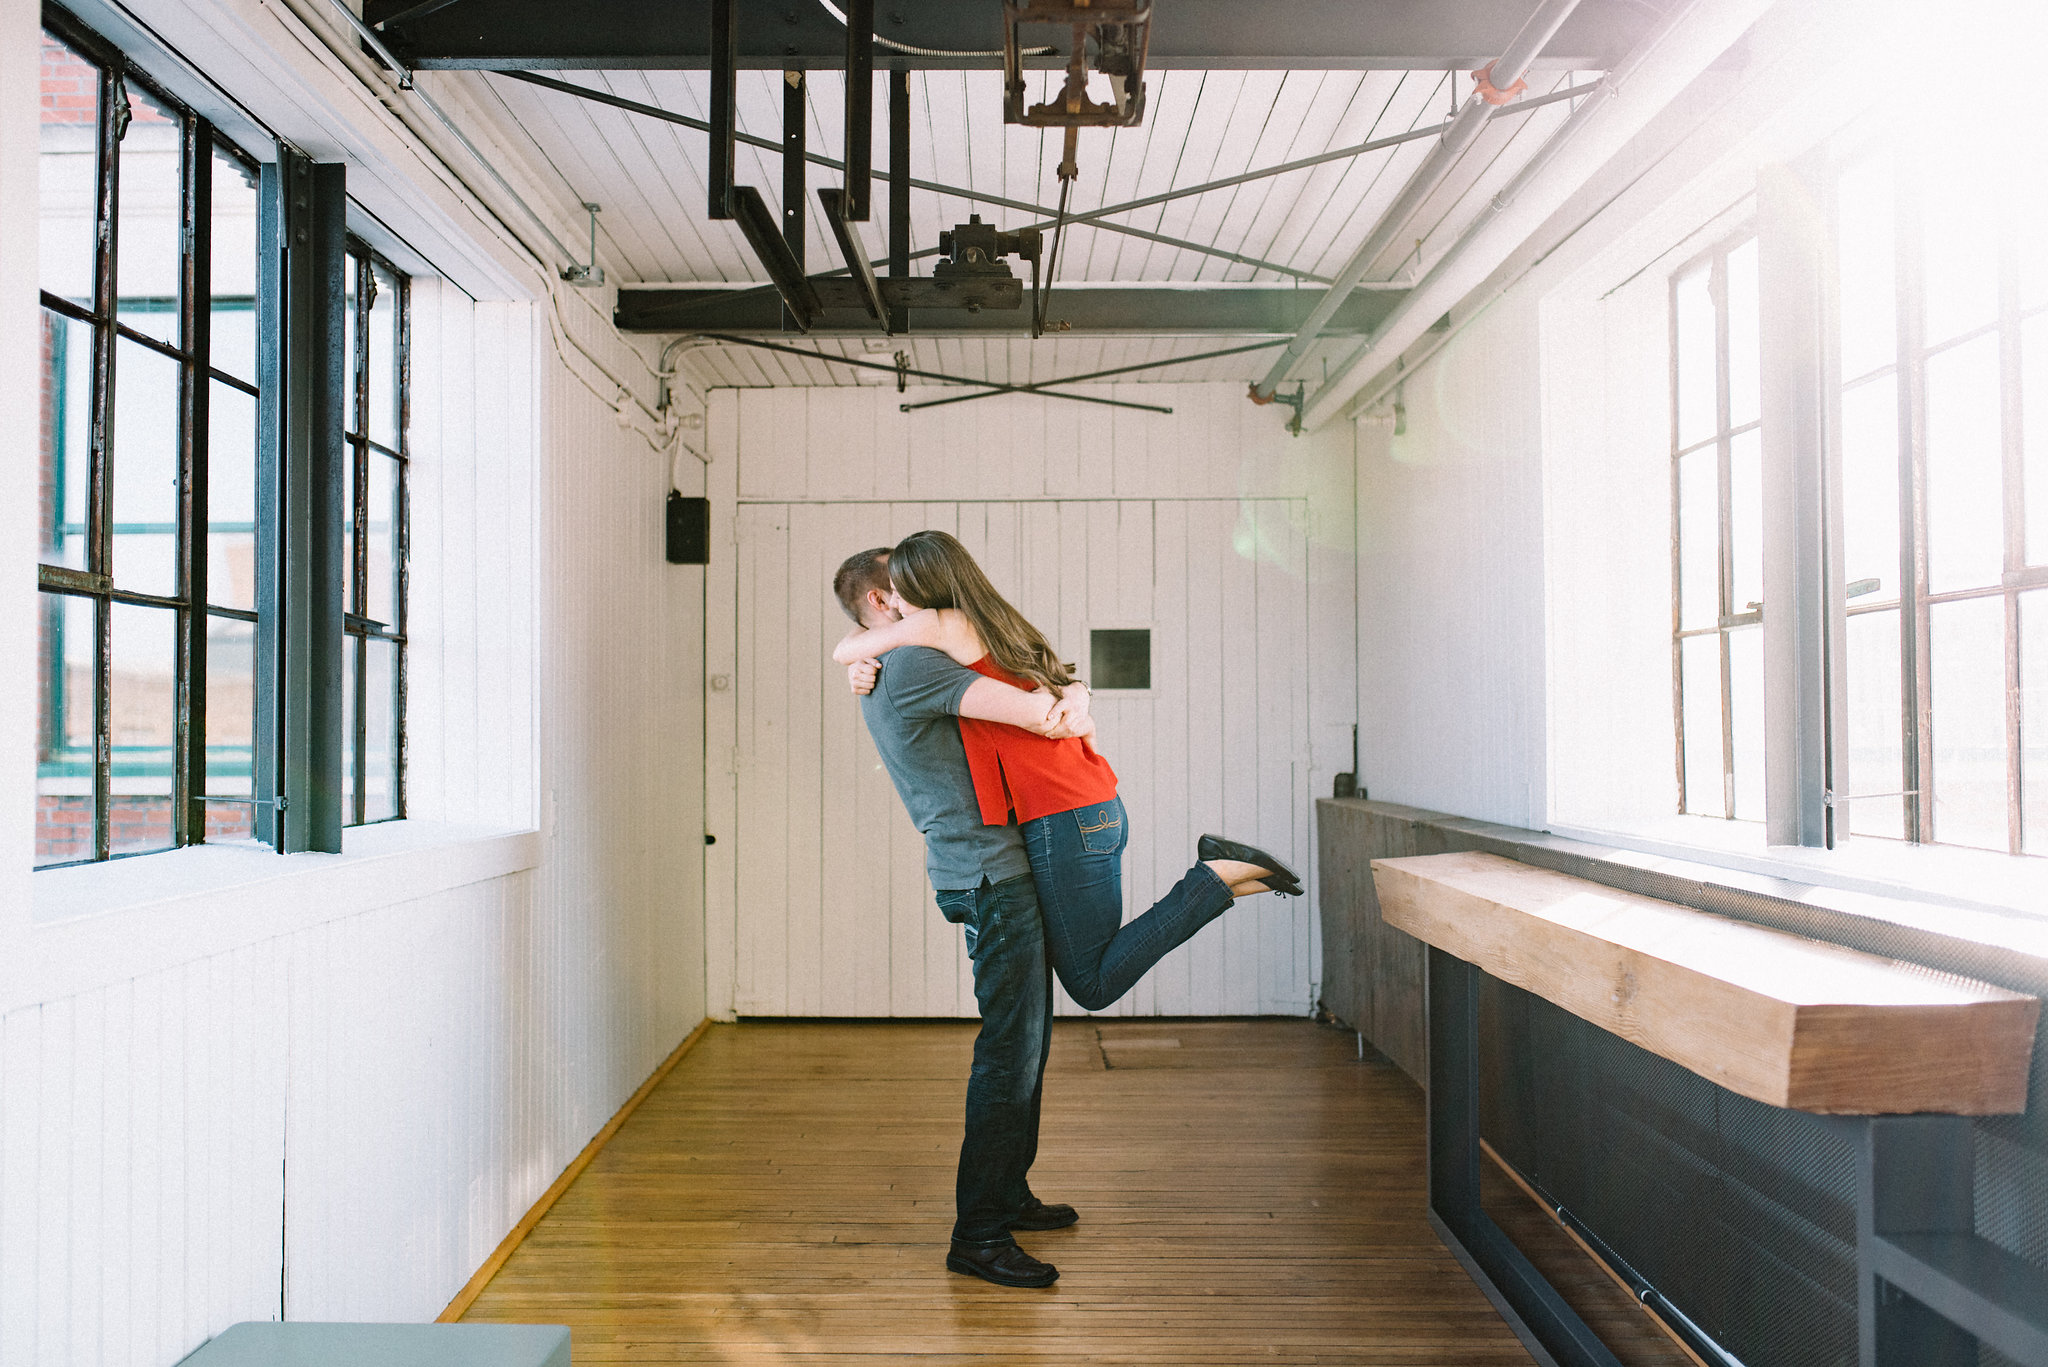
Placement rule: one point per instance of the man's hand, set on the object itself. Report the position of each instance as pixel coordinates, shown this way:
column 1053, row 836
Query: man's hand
column 861, row 675
column 1071, row 706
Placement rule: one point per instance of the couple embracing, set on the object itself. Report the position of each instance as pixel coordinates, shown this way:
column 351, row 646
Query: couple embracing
column 986, row 735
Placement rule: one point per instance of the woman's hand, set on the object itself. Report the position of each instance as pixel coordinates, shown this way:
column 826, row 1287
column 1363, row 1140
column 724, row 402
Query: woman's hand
column 861, row 676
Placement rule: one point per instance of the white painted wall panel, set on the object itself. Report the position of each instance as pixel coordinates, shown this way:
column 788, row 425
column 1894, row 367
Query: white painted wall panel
column 1450, row 591
column 1210, row 525
column 342, row 1122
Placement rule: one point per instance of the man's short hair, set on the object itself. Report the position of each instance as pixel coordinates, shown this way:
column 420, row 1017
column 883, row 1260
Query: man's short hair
column 861, row 574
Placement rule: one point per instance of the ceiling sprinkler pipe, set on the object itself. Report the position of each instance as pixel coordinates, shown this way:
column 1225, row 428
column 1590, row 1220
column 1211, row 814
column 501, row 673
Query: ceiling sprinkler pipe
column 1653, row 74
column 1503, row 72
column 403, row 74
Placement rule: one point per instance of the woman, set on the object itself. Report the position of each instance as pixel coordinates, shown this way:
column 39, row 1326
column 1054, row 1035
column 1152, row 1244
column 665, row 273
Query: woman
column 1062, row 794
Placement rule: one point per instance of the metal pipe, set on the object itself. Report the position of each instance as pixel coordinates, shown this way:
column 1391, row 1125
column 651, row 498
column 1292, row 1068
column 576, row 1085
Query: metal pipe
column 405, row 82
column 1662, row 64
column 1464, row 130
column 375, row 43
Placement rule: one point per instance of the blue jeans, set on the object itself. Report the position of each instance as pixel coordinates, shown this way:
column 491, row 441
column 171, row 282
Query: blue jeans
column 1013, row 987
column 1077, row 861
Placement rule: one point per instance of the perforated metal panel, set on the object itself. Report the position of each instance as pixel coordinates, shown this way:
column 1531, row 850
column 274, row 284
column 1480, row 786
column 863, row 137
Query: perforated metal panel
column 1741, row 1214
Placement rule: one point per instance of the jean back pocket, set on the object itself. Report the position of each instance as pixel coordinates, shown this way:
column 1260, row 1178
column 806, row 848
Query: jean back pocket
column 1101, row 826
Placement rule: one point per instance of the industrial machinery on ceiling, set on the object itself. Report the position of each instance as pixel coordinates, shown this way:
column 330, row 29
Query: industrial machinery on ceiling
column 1098, row 39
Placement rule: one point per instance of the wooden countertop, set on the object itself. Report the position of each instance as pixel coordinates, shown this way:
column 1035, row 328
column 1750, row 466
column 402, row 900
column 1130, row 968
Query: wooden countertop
column 1787, row 1020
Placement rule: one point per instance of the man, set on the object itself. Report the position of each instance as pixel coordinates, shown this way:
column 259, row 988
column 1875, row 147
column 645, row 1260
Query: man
column 983, row 881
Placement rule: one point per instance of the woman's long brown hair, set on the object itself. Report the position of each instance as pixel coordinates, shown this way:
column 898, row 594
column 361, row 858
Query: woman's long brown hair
column 933, row 570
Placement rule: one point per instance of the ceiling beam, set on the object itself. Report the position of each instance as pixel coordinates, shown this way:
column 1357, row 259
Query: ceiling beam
column 1087, row 310
column 1347, row 35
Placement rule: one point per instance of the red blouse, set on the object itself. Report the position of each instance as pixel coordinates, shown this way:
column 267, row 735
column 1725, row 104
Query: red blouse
column 1016, row 771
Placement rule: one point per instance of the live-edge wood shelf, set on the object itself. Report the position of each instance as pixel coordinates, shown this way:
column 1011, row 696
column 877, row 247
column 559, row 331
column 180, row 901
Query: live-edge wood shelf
column 1777, row 1017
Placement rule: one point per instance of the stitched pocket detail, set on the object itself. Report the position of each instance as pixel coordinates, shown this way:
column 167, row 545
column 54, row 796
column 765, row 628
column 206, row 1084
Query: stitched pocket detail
column 1102, row 828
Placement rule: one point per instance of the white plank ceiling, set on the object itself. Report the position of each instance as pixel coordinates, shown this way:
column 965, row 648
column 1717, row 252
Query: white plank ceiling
column 1199, row 126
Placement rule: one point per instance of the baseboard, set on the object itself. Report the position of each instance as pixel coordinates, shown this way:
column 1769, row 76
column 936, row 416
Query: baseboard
column 466, row 1297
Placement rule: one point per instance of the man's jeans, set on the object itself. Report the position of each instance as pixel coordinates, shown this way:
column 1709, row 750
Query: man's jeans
column 1013, row 986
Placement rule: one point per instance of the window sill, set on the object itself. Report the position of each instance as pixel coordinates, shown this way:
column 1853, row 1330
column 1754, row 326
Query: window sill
column 1983, row 895
column 94, row 924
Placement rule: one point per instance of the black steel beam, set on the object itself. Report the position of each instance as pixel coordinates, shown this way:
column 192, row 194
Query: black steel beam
column 1223, row 312
column 795, row 114
column 794, row 117
column 757, row 224
column 899, row 187
column 860, row 107
column 415, row 12
column 1333, row 35
column 724, row 49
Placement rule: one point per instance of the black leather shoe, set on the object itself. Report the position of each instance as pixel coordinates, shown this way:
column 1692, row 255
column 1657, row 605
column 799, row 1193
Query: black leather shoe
column 1039, row 1214
column 1003, row 1263
column 1284, row 880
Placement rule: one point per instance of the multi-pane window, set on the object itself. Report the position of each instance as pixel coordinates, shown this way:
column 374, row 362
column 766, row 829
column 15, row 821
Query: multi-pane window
column 147, row 479
column 1941, row 453
column 377, row 325
column 1717, row 542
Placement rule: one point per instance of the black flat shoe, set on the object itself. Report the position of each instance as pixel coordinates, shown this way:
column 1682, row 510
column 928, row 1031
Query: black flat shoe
column 1003, row 1263
column 1039, row 1214
column 1284, row 881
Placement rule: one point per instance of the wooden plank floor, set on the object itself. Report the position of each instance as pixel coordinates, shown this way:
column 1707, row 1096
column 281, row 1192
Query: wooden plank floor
column 1250, row 1192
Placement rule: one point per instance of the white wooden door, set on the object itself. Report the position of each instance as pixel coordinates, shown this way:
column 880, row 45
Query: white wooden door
column 833, row 914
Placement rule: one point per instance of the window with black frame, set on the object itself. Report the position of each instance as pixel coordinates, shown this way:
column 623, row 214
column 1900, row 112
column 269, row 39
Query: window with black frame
column 378, row 326
column 147, row 466
column 1717, row 536
column 1940, row 363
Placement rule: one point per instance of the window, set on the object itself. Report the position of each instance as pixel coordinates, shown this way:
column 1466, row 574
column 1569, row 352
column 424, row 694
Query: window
column 377, row 327
column 1940, row 384
column 1717, row 543
column 147, row 466
column 1120, row 657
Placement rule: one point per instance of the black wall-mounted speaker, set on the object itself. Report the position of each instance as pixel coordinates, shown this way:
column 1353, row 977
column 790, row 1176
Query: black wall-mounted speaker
column 689, row 530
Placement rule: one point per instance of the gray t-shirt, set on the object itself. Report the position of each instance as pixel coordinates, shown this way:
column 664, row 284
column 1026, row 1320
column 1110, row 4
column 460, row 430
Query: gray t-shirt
column 913, row 715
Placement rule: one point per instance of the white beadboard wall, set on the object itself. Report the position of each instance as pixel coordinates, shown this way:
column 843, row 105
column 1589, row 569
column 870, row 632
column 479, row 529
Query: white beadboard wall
column 1229, row 538
column 1514, row 541
column 1450, row 583
column 342, row 1121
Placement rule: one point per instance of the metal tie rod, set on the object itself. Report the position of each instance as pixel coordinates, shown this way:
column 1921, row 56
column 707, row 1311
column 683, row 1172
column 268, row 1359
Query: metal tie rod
column 1471, row 120
column 992, row 386
column 1040, row 386
column 957, row 191
column 1570, row 92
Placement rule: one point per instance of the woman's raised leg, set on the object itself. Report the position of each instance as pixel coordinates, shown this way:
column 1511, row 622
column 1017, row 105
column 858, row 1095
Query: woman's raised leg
column 1077, row 862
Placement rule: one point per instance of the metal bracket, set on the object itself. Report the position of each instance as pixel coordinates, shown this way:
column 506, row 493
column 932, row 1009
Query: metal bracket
column 837, row 204
column 593, row 274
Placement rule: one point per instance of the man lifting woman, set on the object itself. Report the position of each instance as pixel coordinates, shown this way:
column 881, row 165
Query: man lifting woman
column 987, row 737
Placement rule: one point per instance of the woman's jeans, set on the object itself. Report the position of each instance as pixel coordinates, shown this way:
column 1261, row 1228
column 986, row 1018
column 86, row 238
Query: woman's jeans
column 1077, row 862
